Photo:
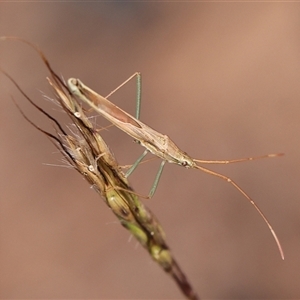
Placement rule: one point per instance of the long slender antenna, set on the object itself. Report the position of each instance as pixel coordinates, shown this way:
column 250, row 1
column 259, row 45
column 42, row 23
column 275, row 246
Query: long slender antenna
column 229, row 180
column 238, row 160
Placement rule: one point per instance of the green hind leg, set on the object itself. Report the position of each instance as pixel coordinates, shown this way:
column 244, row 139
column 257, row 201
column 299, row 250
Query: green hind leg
column 134, row 166
column 137, row 116
column 156, row 180
column 157, row 177
column 138, row 95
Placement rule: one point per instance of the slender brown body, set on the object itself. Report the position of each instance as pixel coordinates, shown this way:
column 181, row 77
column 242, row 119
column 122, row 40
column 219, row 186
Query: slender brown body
column 155, row 142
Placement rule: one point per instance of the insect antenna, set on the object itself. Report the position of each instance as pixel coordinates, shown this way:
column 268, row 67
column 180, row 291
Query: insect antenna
column 229, row 180
column 239, row 159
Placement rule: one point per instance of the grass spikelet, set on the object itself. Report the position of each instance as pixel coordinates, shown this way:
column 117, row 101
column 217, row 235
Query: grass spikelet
column 90, row 156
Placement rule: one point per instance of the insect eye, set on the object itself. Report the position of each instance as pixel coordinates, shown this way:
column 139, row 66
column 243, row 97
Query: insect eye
column 184, row 163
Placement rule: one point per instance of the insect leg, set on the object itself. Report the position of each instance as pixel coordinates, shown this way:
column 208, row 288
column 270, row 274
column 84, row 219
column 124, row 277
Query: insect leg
column 156, row 180
column 138, row 95
column 138, row 91
column 122, row 84
column 134, row 166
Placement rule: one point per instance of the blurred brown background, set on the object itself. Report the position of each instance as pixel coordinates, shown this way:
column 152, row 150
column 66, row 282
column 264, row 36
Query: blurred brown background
column 221, row 79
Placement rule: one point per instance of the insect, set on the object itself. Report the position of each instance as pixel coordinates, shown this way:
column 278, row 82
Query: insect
column 154, row 142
